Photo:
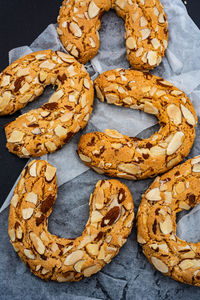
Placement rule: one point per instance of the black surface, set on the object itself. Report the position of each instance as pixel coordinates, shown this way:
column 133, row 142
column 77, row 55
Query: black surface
column 21, row 21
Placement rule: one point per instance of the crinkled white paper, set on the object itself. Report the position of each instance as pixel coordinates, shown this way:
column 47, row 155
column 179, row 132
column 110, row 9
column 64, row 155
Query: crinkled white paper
column 129, row 275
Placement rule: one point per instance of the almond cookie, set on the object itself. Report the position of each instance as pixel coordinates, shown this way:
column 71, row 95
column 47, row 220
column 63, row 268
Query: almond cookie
column 51, row 257
column 118, row 155
column 169, row 194
column 145, row 23
column 49, row 127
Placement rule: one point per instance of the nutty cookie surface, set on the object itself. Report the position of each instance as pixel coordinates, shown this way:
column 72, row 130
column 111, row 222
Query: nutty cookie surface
column 118, row 155
column 50, row 257
column 169, row 194
column 49, row 127
column 145, row 23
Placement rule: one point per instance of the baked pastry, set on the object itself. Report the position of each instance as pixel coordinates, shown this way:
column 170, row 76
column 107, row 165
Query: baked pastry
column 145, row 23
column 115, row 154
column 51, row 257
column 49, row 127
column 169, row 194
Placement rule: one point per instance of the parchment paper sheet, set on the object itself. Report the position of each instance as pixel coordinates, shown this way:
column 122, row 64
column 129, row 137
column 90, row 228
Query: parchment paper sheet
column 129, row 275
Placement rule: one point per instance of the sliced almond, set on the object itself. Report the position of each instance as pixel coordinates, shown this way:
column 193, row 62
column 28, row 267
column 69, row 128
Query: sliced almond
column 73, row 257
column 150, row 109
column 175, row 143
column 5, row 81
column 93, row 10
column 92, row 249
column 195, row 160
column 42, row 76
column 131, row 43
column 56, row 96
column 129, row 168
column 50, row 146
column 174, row 114
column 180, row 187
column 157, row 151
column 38, row 244
column 152, row 58
column 66, row 117
column 16, row 137
column 15, row 200
column 168, row 197
column 111, row 98
column 47, row 65
column 145, row 33
column 99, row 199
column 91, row 270
column 113, row 134
column 84, row 158
column 159, row 265
column 86, row 83
column 11, row 233
column 196, row 168
column 31, row 197
column 75, row 29
column 140, row 239
column 60, row 131
column 78, row 265
column 186, row 264
column 29, row 254
column 32, row 170
column 27, row 213
column 99, row 94
column 143, row 21
column 155, row 42
column 153, row 195
column 50, row 173
column 166, row 226
column 176, row 93
column 188, row 115
column 96, row 217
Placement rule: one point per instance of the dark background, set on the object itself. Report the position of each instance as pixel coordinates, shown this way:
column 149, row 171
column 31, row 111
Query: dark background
column 21, row 21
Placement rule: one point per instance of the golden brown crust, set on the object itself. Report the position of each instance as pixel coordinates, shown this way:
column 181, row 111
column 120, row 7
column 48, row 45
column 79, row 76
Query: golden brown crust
column 156, row 222
column 49, row 127
column 50, row 257
column 145, row 23
column 118, row 155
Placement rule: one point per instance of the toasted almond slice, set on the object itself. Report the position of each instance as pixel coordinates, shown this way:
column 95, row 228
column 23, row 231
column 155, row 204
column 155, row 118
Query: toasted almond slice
column 188, row 115
column 60, row 131
column 84, row 158
column 38, row 244
column 75, row 29
column 27, row 213
column 56, row 96
column 175, row 143
column 113, row 133
column 73, row 257
column 174, row 114
column 29, row 254
column 129, row 168
column 16, row 137
column 91, row 270
column 131, row 43
column 50, row 173
column 31, row 197
column 159, row 265
column 93, row 10
column 153, row 195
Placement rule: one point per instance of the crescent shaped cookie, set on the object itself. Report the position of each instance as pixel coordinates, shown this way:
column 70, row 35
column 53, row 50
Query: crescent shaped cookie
column 169, row 194
column 49, row 127
column 118, row 155
column 145, row 23
column 51, row 257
